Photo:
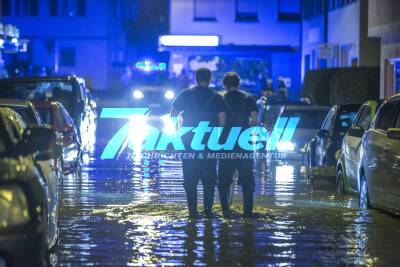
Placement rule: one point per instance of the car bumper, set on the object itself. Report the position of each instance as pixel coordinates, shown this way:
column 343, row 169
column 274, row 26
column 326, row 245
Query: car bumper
column 23, row 249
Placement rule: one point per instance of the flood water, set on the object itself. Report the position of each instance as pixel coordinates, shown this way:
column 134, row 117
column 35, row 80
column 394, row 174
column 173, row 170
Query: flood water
column 134, row 214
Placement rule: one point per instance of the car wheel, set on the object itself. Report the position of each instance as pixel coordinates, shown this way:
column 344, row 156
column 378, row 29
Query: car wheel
column 340, row 183
column 363, row 195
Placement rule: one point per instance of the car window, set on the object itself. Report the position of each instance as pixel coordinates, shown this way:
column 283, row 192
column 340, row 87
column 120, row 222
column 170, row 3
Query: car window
column 308, row 119
column 328, row 123
column 345, row 121
column 386, row 115
column 397, row 125
column 364, row 120
column 45, row 115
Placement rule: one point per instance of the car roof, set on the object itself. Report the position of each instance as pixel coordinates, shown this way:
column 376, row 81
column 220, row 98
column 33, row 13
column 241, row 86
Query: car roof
column 394, row 98
column 15, row 102
column 8, row 112
column 305, row 108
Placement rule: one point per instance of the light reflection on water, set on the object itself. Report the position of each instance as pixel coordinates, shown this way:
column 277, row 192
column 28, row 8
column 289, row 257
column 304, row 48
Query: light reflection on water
column 135, row 215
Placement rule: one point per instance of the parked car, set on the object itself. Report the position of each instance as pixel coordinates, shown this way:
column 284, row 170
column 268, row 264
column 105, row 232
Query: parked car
column 28, row 202
column 300, row 123
column 55, row 115
column 346, row 169
column 68, row 90
column 269, row 109
column 379, row 167
column 323, row 150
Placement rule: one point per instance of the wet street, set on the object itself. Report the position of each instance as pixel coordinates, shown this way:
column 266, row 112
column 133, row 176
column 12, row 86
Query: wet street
column 134, row 214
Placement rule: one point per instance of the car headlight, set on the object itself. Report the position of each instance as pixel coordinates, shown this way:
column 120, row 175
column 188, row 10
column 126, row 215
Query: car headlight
column 137, row 94
column 169, row 94
column 14, row 207
column 285, row 146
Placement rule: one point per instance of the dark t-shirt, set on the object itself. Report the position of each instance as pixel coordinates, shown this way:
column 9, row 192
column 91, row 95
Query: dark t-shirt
column 239, row 105
column 199, row 104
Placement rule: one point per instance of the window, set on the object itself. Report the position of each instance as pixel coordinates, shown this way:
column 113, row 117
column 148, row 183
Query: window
column 247, row 10
column 385, row 116
column 205, row 10
column 67, row 8
column 289, row 10
column 312, row 8
column 328, row 123
column 20, row 8
column 364, row 120
column 67, row 57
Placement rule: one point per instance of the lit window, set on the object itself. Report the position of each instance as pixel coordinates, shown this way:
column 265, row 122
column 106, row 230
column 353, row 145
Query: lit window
column 247, row 10
column 205, row 10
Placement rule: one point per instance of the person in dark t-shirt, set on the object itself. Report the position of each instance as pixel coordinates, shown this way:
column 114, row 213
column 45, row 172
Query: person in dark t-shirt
column 241, row 111
column 194, row 105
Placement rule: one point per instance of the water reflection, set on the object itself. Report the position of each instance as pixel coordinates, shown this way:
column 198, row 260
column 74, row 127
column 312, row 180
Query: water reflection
column 133, row 213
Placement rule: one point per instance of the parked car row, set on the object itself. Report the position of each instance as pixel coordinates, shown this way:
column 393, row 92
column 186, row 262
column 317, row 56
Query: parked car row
column 358, row 145
column 45, row 125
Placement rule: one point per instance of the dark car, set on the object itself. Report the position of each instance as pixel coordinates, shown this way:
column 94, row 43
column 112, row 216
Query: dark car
column 68, row 90
column 299, row 125
column 347, row 166
column 269, row 109
column 55, row 115
column 324, row 149
column 28, row 220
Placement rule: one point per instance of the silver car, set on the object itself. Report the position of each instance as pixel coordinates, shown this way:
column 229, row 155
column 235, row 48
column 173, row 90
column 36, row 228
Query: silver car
column 379, row 167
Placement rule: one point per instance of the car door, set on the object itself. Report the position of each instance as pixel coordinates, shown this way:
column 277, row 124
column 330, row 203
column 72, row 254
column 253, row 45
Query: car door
column 375, row 144
column 323, row 143
column 353, row 145
column 391, row 181
column 46, row 169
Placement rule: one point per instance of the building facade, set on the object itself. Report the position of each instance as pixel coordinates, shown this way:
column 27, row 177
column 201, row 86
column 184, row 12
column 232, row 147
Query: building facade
column 335, row 34
column 258, row 38
column 384, row 22
column 82, row 37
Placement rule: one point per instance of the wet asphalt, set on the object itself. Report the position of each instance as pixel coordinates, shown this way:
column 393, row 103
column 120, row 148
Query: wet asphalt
column 134, row 214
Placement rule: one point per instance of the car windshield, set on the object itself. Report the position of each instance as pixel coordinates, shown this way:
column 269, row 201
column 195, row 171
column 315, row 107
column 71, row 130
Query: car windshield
column 308, row 119
column 26, row 113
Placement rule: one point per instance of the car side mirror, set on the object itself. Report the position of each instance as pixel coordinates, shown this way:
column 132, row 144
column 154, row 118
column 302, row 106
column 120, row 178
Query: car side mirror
column 355, row 131
column 40, row 141
column 322, row 133
column 393, row 133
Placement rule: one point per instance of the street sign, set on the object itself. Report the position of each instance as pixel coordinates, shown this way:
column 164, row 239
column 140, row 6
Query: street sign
column 326, row 51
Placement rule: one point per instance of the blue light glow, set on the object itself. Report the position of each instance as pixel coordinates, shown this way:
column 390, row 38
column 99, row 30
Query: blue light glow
column 189, row 40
